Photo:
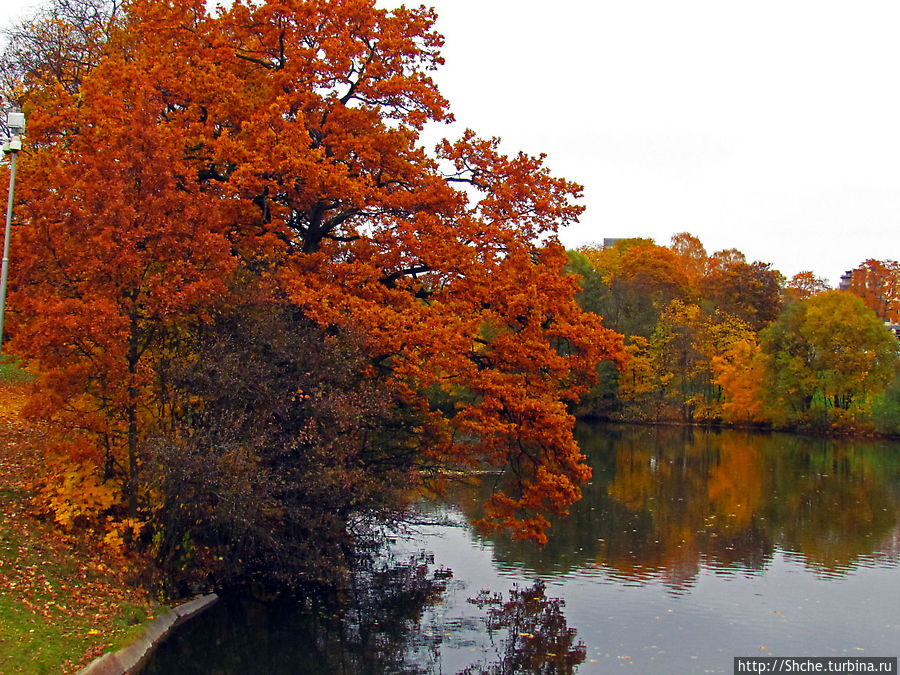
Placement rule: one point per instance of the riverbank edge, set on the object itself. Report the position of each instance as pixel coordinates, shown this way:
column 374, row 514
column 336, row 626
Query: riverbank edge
column 128, row 659
column 760, row 427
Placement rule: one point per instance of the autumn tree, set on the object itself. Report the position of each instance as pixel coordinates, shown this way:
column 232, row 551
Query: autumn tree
column 828, row 352
column 118, row 256
column 674, row 346
column 877, row 283
column 274, row 151
column 639, row 279
column 684, row 348
column 693, row 256
column 805, row 284
column 640, row 389
column 740, row 373
column 725, row 258
column 749, row 291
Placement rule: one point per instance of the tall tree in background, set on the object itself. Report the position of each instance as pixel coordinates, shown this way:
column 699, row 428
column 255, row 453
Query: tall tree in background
column 273, row 150
column 60, row 44
column 805, row 284
column 877, row 283
column 693, row 256
column 639, row 279
column 827, row 352
column 749, row 291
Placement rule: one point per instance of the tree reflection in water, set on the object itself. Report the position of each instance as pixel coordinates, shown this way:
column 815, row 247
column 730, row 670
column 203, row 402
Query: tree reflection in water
column 666, row 502
column 538, row 638
column 374, row 626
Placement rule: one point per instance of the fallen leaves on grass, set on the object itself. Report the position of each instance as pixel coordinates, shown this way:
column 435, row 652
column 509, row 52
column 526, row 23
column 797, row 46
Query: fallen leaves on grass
column 50, row 582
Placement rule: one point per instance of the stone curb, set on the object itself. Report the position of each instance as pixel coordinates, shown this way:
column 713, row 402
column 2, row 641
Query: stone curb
column 127, row 659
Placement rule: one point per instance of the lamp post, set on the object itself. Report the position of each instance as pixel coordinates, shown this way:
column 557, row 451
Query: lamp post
column 16, row 123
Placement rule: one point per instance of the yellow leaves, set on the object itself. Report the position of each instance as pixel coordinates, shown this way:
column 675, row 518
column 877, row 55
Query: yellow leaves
column 75, row 492
column 740, row 373
column 121, row 532
column 62, row 589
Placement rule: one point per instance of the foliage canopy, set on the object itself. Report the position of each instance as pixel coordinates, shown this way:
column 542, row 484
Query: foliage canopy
column 270, row 156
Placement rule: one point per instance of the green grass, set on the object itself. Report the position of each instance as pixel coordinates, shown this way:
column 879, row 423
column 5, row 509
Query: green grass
column 12, row 372
column 55, row 641
column 63, row 601
column 45, row 625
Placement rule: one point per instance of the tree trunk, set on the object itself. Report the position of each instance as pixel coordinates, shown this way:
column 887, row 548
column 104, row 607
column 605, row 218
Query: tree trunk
column 131, row 412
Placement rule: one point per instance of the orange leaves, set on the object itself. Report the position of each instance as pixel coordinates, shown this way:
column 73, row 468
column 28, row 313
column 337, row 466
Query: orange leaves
column 516, row 192
column 740, row 371
column 550, row 492
column 877, row 283
column 804, row 284
column 274, row 150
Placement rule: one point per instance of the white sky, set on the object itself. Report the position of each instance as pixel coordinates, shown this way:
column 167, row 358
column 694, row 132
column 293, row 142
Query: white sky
column 15, row 10
column 770, row 126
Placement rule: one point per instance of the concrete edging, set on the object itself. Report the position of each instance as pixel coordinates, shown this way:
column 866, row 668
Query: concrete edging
column 127, row 659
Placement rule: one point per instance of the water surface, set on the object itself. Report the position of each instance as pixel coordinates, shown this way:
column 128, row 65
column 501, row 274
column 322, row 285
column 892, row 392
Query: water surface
column 688, row 548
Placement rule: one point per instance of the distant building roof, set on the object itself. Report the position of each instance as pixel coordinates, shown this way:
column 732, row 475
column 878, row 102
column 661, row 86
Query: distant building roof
column 846, row 277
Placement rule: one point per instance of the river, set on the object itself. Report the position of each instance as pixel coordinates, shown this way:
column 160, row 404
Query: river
column 689, row 548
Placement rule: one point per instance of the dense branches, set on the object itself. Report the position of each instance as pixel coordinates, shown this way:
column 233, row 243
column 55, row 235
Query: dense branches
column 269, row 157
column 60, row 44
column 277, row 446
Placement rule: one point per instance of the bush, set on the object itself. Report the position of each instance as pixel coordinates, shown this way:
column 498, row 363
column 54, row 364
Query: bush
column 886, row 409
column 280, row 445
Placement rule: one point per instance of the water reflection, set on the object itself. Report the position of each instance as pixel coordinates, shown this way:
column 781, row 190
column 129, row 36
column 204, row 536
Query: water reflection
column 371, row 626
column 664, row 503
column 688, row 548
column 379, row 624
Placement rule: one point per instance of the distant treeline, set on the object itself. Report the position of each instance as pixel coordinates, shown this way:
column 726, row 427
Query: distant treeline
column 713, row 338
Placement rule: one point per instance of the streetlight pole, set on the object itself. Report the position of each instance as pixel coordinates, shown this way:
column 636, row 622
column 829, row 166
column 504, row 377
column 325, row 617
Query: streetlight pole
column 16, row 123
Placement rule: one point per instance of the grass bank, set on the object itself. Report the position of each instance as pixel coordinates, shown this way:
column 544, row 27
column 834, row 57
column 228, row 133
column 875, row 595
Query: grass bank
column 61, row 603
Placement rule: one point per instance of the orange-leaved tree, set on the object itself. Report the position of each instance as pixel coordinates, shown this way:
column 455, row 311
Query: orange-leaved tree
column 280, row 143
column 639, row 280
column 805, row 284
column 877, row 282
column 118, row 248
column 693, row 256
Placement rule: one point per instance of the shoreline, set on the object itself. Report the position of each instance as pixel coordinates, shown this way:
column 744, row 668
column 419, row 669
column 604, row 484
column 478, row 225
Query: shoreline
column 130, row 658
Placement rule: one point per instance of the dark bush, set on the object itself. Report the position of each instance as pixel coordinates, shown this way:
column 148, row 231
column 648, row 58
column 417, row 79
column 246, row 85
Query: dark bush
column 281, row 449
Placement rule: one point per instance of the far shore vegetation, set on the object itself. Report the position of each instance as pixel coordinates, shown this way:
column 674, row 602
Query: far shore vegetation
column 714, row 339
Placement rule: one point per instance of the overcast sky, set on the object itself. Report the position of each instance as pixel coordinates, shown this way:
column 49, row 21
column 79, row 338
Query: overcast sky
column 768, row 126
